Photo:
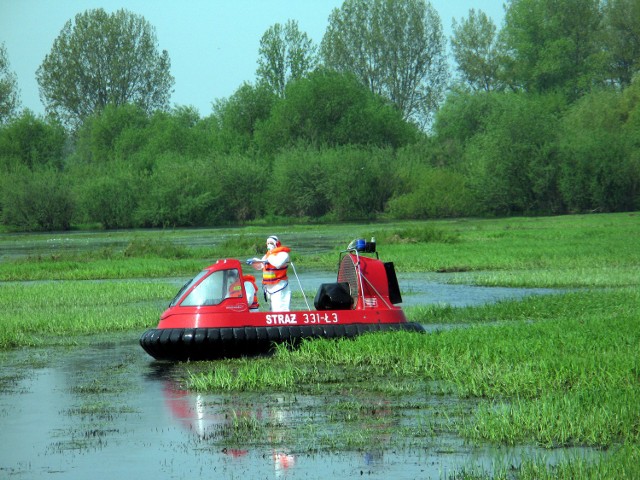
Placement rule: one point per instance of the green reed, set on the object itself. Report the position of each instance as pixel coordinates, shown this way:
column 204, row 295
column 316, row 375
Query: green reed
column 556, row 371
column 574, row 250
column 71, row 268
column 622, row 463
column 247, row 375
column 38, row 313
column 553, row 370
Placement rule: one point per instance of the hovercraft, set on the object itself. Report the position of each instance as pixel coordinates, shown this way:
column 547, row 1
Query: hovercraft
column 203, row 322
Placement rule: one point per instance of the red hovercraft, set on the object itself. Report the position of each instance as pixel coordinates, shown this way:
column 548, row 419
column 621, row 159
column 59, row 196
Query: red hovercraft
column 203, row 323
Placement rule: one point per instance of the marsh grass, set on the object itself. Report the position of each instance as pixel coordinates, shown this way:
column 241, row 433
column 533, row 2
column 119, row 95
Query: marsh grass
column 558, row 371
column 567, row 251
column 247, row 374
column 415, row 235
column 619, row 464
column 39, row 313
column 71, row 268
column 238, row 429
column 555, row 370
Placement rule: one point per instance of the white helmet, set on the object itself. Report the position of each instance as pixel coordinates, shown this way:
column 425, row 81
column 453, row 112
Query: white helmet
column 273, row 240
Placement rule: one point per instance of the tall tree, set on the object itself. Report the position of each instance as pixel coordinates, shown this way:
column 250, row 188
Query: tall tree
column 622, row 39
column 476, row 51
column 32, row 142
column 237, row 116
column 102, row 59
column 394, row 47
column 9, row 97
column 331, row 108
column 285, row 54
column 554, row 45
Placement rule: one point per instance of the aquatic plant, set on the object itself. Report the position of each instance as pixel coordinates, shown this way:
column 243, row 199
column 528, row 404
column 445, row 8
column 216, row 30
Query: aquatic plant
column 555, row 370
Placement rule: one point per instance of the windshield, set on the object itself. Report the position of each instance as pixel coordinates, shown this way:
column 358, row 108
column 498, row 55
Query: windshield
column 212, row 290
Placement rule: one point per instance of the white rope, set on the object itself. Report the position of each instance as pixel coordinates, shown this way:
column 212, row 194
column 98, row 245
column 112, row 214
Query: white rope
column 301, row 289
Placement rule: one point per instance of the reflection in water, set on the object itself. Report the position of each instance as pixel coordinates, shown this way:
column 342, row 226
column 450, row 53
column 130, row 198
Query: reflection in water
column 213, row 421
column 257, row 424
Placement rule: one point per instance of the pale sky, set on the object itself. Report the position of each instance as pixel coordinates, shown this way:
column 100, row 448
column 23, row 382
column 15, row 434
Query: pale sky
column 213, row 44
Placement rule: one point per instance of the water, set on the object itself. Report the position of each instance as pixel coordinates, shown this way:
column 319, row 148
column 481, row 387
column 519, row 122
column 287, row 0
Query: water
column 430, row 288
column 106, row 410
column 18, row 245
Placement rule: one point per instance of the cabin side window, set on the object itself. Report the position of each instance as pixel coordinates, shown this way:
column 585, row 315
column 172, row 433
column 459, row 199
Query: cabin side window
column 210, row 291
column 214, row 288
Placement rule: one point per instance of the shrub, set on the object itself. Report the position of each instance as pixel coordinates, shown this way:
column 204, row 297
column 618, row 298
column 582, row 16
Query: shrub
column 182, row 192
column 38, row 200
column 109, row 195
column 431, row 193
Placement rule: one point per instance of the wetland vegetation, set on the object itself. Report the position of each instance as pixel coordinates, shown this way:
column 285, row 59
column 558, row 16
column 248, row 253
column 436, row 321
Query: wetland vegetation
column 554, row 371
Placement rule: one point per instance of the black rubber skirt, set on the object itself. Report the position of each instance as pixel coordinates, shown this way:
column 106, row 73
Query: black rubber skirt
column 181, row 344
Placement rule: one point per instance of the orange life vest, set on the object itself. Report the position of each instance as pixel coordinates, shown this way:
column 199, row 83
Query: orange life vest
column 271, row 274
column 235, row 289
column 252, row 280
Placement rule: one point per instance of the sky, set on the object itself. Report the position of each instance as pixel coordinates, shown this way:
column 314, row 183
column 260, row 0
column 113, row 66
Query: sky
column 213, row 44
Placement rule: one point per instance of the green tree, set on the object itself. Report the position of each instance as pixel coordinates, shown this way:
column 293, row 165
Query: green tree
column 180, row 193
column 394, row 48
column 9, row 97
column 359, row 181
column 108, row 194
column 101, row 59
column 242, row 181
column 31, row 141
column 36, row 200
column 463, row 115
column 622, row 38
column 127, row 133
column 553, row 45
column 297, row 188
column 178, row 131
column 236, row 118
column 285, row 54
column 331, row 109
column 512, row 164
column 599, row 145
column 428, row 192
column 476, row 51
column 117, row 131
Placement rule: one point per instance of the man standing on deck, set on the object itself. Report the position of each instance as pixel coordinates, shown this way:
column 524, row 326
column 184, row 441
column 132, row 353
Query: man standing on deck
column 275, row 282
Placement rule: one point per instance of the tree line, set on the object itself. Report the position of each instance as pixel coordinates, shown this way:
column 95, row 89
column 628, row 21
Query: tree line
column 542, row 118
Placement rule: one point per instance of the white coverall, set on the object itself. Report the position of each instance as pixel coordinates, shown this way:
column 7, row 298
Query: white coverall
column 278, row 294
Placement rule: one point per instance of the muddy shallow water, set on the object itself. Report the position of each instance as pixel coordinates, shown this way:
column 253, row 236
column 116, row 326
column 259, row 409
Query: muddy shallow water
column 107, row 410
